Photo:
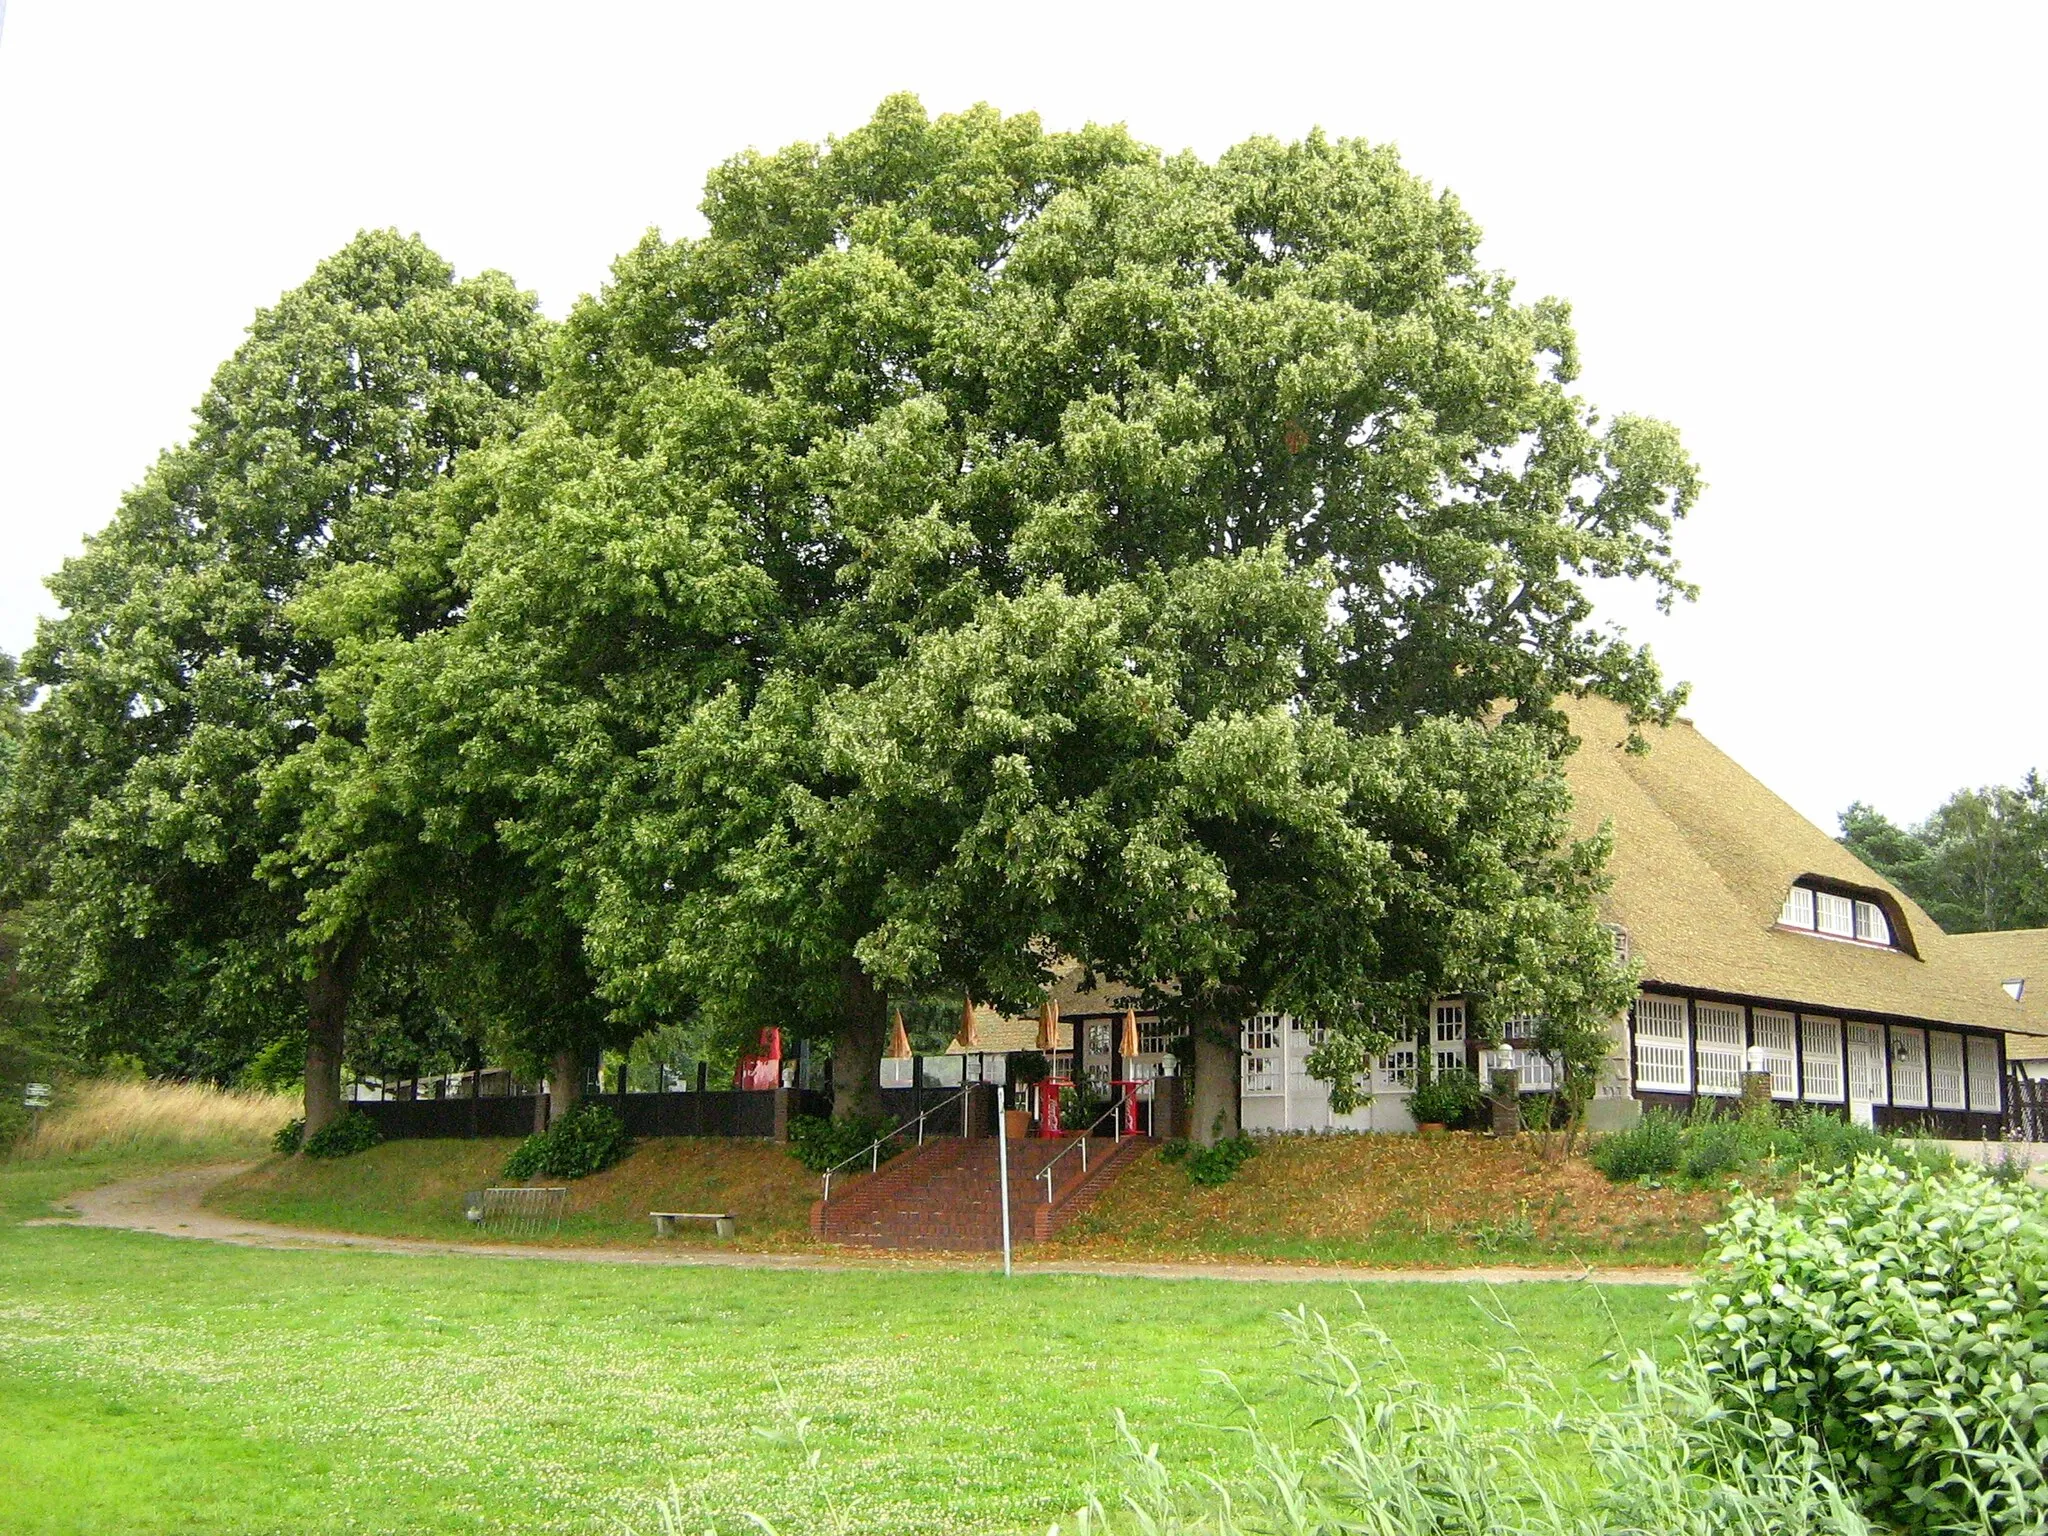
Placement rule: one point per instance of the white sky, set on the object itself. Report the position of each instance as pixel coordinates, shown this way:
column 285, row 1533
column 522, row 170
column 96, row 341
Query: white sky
column 1804, row 233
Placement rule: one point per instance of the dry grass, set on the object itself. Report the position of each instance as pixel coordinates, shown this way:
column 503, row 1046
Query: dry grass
column 104, row 1115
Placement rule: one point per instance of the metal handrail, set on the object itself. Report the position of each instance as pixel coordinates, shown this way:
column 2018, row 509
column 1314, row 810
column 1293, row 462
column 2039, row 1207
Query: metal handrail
column 873, row 1150
column 1115, row 1115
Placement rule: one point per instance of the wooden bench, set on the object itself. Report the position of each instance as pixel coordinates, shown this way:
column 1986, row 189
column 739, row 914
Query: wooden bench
column 665, row 1221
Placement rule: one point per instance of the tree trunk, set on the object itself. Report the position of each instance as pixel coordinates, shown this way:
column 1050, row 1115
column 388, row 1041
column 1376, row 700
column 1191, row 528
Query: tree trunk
column 327, row 990
column 857, row 1046
column 1213, row 1097
column 565, row 1082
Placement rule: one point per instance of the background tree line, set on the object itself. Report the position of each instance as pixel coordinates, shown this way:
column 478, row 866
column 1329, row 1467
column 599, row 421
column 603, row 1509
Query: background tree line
column 1978, row 863
column 982, row 545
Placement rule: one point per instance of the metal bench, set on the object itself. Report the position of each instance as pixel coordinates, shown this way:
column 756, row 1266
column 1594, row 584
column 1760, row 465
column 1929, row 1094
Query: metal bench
column 665, row 1221
column 516, row 1212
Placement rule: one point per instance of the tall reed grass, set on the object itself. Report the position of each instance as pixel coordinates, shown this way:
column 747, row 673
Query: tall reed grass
column 107, row 1115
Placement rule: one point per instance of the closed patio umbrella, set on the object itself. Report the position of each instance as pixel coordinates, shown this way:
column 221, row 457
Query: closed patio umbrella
column 970, row 1036
column 1128, row 1046
column 899, row 1040
column 1048, row 1025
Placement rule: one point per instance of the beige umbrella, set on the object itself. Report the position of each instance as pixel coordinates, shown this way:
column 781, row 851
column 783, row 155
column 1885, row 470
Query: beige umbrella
column 1128, row 1046
column 970, row 1036
column 1048, row 1025
column 899, row 1040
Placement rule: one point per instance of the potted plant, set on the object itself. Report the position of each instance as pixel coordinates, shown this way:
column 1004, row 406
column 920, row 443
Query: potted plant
column 1445, row 1099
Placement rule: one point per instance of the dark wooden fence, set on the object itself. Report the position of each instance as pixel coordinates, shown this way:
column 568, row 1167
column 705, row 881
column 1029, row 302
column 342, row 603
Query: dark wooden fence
column 728, row 1112
column 2026, row 1109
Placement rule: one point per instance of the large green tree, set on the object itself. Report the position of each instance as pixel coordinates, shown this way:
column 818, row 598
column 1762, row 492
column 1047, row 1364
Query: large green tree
column 939, row 367
column 1978, row 863
column 168, row 846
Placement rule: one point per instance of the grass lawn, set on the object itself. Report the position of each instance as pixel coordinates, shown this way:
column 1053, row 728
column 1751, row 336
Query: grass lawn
column 152, row 1385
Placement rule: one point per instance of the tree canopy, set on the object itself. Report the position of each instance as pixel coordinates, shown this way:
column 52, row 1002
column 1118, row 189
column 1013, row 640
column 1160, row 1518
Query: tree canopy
column 1978, row 863
column 981, row 545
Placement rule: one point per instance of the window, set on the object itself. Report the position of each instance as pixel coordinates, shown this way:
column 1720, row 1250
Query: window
column 1450, row 1035
column 1155, row 1037
column 1909, row 1068
column 1718, row 1041
column 1866, row 1064
column 1395, row 1071
column 1538, row 1073
column 1773, row 1034
column 1984, row 1074
column 1661, row 1057
column 1620, row 937
column 1260, row 1061
column 1820, row 1059
column 1945, row 1069
column 1837, row 915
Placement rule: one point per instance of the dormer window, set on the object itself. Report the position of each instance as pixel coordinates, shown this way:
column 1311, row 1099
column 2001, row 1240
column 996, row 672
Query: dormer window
column 1837, row 914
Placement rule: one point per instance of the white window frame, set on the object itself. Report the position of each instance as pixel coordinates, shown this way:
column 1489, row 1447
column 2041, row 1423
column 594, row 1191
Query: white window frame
column 1155, row 1036
column 1261, row 1067
column 1834, row 915
column 1909, row 1067
column 1662, row 1044
column 1776, row 1034
column 1946, row 1086
column 1981, row 1075
column 1395, row 1071
column 1869, row 1063
column 1821, row 1080
column 1798, row 909
column 1447, row 1034
column 1534, row 1071
column 1720, row 1034
column 1872, row 926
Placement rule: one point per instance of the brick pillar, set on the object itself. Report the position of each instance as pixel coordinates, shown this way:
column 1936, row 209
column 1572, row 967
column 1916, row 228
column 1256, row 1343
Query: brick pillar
column 1506, row 1101
column 785, row 1106
column 1169, row 1108
column 1756, row 1093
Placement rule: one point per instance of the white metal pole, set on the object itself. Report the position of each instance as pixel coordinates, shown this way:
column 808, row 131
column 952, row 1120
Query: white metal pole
column 1003, row 1176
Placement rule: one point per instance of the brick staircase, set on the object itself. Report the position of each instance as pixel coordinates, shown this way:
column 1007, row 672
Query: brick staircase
column 944, row 1196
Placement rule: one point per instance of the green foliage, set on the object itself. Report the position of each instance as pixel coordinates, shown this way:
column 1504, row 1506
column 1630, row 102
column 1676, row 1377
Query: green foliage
column 290, row 1136
column 348, row 1133
column 1707, row 1147
column 1450, row 1097
column 1214, row 1164
column 819, row 1143
column 1980, row 862
column 1899, row 1321
column 588, row 1139
column 1028, row 1067
column 278, row 1065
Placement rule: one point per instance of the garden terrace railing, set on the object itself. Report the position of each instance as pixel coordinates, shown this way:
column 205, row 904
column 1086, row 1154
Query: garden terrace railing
column 2026, row 1108
column 1114, row 1115
column 872, row 1152
column 517, row 1212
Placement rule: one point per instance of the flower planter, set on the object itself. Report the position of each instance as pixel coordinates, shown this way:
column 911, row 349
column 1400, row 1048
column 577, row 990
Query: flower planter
column 1016, row 1123
column 1432, row 1127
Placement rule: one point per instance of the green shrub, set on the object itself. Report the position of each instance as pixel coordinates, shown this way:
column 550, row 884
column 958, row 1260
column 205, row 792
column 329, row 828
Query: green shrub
column 1717, row 1148
column 347, row 1134
column 588, row 1139
column 1028, row 1067
column 279, row 1066
column 290, row 1136
column 819, row 1143
column 1175, row 1149
column 1450, row 1097
column 1899, row 1320
column 1651, row 1148
column 1218, row 1163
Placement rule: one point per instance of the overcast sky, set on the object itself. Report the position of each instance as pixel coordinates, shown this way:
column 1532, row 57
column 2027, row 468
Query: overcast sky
column 1806, row 234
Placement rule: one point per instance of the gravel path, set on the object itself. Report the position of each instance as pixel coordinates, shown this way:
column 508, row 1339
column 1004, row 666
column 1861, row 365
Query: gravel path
column 169, row 1205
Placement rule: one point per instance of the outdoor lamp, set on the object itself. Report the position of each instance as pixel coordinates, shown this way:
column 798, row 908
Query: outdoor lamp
column 1755, row 1058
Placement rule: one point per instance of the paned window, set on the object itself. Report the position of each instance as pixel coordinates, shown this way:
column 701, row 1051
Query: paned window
column 1772, row 1032
column 1834, row 914
column 1820, row 1059
column 1866, row 1064
column 1718, row 1040
column 1537, row 1072
column 1945, row 1069
column 1260, row 1060
column 1838, row 916
column 1662, row 1064
column 1909, row 1068
column 1395, row 1071
column 1155, row 1037
column 1798, row 911
column 1449, row 1035
column 1984, row 1074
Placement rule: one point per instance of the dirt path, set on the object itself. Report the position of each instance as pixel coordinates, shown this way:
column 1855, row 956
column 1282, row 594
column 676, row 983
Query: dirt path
column 168, row 1205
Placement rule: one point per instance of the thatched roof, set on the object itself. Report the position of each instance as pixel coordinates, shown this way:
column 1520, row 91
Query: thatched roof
column 1077, row 999
column 2019, row 954
column 1703, row 857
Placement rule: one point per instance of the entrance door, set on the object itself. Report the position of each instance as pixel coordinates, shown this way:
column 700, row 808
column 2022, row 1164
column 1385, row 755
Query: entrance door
column 1866, row 1072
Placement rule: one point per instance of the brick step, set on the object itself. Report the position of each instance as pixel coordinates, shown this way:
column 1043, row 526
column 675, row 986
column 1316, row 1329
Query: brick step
column 945, row 1196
